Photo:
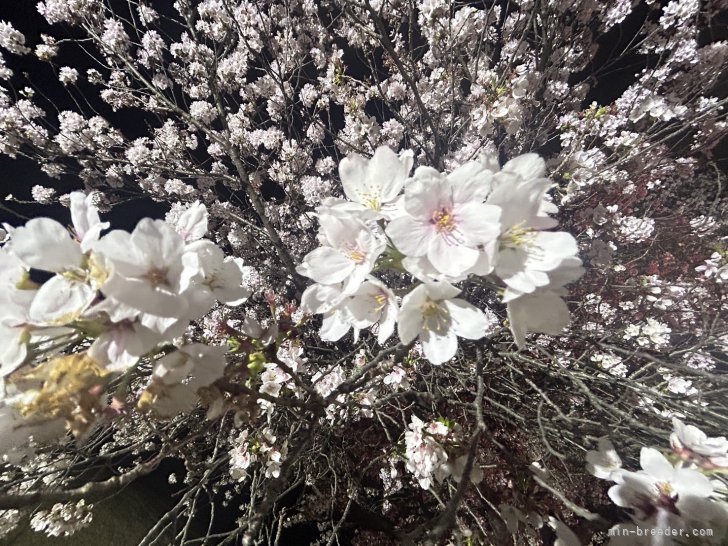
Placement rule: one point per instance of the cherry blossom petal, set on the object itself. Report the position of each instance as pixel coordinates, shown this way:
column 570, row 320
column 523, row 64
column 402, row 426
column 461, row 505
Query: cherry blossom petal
column 542, row 312
column 471, row 182
column 60, row 301
column 45, row 244
column 468, row 321
column 654, row 463
column 478, row 222
column 13, row 350
column 160, row 244
column 85, row 218
column 410, row 236
column 389, row 171
column 439, row 348
column 319, row 298
column 334, row 326
column 326, row 265
column 451, row 259
column 353, row 174
column 527, row 166
column 686, row 483
column 144, row 296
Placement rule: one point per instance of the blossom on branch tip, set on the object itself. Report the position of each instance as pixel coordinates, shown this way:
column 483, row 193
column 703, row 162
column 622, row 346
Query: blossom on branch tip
column 349, row 256
column 145, row 268
column 692, row 444
column 431, row 313
column 377, row 182
column 446, row 218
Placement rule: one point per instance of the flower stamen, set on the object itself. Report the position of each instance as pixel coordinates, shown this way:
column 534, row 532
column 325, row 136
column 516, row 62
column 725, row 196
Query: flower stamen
column 444, row 220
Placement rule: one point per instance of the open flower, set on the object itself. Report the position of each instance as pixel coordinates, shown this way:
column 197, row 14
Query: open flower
column 662, row 488
column 375, row 183
column 122, row 344
column 446, row 219
column 372, row 303
column 192, row 223
column 146, row 268
column 430, row 313
column 692, row 444
column 349, row 256
column 215, row 277
column 526, row 256
column 525, row 261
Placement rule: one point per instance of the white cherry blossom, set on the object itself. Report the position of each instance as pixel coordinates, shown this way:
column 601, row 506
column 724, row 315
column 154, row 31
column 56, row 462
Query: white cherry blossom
column 146, row 268
column 372, row 303
column 375, row 183
column 661, row 487
column 192, row 223
column 122, row 344
column 446, row 219
column 431, row 313
column 216, row 277
column 691, row 443
column 349, row 256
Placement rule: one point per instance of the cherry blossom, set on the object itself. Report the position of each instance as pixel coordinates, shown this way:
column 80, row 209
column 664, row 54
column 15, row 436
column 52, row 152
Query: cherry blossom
column 692, row 444
column 661, row 489
column 349, row 256
column 432, row 314
column 446, row 218
column 145, row 268
column 375, row 183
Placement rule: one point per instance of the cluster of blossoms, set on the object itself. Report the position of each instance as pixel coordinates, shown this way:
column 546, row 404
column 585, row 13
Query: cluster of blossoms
column 670, row 497
column 652, row 333
column 62, row 519
column 441, row 228
column 262, row 450
column 120, row 297
column 430, row 454
column 246, row 105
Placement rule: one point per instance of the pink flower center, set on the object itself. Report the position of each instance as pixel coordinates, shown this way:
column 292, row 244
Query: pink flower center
column 443, row 220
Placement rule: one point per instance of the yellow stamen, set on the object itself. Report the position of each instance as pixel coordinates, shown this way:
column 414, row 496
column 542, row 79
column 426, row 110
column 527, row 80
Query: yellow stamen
column 444, row 220
column 373, row 203
column 436, row 317
column 518, row 236
column 381, row 300
column 356, row 256
column 665, row 488
column 69, row 390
